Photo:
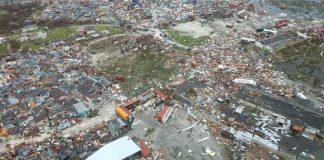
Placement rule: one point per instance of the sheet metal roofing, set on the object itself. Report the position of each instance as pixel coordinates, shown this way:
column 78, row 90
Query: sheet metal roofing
column 116, row 150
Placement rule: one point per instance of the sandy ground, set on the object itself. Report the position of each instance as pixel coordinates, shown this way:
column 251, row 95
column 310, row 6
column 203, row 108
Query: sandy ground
column 109, row 54
column 195, row 29
column 219, row 26
column 179, row 138
column 103, row 58
column 105, row 114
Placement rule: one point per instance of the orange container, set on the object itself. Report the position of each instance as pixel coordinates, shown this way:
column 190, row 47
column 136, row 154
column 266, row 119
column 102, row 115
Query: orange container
column 123, row 113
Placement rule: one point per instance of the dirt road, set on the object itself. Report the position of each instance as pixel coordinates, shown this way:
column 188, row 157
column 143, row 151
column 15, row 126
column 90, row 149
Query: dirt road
column 105, row 114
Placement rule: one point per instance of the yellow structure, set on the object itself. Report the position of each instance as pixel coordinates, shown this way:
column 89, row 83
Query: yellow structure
column 3, row 132
column 123, row 113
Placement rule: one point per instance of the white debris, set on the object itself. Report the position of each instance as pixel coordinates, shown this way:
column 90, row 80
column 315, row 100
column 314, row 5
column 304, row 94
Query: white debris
column 200, row 140
column 302, row 35
column 190, row 126
column 301, row 95
column 245, row 81
column 210, row 152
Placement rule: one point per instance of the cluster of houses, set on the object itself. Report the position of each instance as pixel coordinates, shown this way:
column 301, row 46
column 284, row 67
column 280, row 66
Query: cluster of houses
column 47, row 88
column 85, row 33
column 33, row 32
column 58, row 147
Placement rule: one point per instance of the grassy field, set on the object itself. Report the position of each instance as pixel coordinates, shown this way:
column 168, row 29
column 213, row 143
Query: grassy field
column 115, row 30
column 100, row 28
column 63, row 33
column 52, row 35
column 66, row 32
column 3, row 49
column 60, row 33
column 30, row 45
column 141, row 69
column 186, row 40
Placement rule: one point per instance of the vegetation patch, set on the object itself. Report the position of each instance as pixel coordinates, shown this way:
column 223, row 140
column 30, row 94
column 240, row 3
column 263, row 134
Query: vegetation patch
column 3, row 12
column 3, row 49
column 100, row 28
column 302, row 61
column 186, row 40
column 30, row 45
column 191, row 93
column 52, row 35
column 93, row 113
column 59, row 33
column 115, row 30
column 142, row 69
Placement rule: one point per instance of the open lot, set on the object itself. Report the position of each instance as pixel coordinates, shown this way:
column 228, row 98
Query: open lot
column 141, row 69
column 194, row 29
column 185, row 38
column 58, row 33
column 176, row 137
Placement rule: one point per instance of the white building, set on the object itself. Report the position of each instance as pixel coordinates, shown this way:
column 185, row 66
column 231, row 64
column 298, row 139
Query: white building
column 119, row 149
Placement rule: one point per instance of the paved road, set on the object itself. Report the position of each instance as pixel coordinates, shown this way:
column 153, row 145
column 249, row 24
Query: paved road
column 105, row 114
column 93, row 25
column 291, row 102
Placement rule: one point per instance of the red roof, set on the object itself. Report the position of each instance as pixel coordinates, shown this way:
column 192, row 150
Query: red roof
column 160, row 94
column 131, row 103
column 238, row 65
column 144, row 149
column 318, row 29
column 120, row 77
column 282, row 23
column 161, row 114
